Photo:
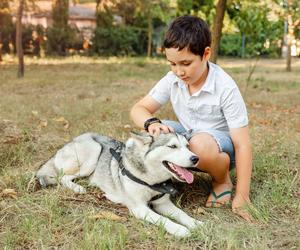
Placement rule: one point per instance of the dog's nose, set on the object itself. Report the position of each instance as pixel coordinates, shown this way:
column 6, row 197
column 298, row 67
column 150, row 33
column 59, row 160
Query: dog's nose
column 194, row 159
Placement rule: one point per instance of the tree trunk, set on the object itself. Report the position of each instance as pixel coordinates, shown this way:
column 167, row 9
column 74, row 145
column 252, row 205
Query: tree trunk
column 1, row 51
column 19, row 39
column 288, row 54
column 290, row 35
column 217, row 29
column 150, row 31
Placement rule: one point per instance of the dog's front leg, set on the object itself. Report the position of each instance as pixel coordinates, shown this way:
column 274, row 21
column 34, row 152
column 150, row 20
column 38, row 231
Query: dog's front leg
column 145, row 213
column 165, row 206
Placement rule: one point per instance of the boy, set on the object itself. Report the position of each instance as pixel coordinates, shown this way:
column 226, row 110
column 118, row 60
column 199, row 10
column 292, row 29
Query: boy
column 208, row 101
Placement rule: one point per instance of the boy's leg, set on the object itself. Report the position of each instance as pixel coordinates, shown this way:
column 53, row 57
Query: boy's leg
column 214, row 162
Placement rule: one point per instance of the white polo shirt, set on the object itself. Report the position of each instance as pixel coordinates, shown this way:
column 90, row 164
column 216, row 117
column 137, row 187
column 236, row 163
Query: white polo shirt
column 217, row 105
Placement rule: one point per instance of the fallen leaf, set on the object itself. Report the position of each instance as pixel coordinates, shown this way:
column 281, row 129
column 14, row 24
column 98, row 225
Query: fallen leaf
column 127, row 127
column 64, row 121
column 34, row 112
column 9, row 192
column 200, row 210
column 60, row 119
column 107, row 215
column 43, row 124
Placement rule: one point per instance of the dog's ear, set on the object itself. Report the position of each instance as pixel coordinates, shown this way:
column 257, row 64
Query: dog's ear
column 143, row 137
column 188, row 134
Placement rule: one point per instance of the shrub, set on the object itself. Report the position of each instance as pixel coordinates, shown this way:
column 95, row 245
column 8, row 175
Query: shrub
column 60, row 40
column 116, row 41
column 230, row 45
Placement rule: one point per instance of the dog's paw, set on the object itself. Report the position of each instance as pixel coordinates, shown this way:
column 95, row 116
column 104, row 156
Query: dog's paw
column 180, row 231
column 196, row 223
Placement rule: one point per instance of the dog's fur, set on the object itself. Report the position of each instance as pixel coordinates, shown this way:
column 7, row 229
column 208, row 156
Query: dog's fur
column 146, row 157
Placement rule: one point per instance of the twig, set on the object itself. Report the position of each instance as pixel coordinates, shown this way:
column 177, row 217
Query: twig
column 251, row 71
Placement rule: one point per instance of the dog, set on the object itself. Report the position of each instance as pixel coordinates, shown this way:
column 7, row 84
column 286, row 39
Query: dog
column 136, row 174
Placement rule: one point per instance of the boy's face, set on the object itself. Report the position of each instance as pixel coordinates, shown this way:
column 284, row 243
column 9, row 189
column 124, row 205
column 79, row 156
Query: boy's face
column 187, row 66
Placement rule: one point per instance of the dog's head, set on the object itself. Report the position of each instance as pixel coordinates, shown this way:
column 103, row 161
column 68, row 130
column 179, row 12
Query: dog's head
column 163, row 156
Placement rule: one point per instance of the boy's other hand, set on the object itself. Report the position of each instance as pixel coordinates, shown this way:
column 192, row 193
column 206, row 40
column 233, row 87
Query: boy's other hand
column 156, row 128
column 239, row 207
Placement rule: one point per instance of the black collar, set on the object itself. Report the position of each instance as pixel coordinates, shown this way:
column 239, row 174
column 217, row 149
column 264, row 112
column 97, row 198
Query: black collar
column 165, row 187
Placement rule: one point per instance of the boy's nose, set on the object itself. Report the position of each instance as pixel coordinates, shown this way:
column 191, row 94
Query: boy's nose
column 180, row 72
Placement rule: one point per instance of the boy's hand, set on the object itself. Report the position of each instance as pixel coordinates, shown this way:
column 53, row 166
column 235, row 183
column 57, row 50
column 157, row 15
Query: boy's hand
column 156, row 128
column 239, row 207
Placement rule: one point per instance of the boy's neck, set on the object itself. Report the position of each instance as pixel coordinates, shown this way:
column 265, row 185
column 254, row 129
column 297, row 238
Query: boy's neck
column 200, row 82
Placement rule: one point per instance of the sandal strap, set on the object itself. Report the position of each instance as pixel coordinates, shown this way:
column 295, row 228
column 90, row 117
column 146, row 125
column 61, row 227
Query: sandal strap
column 221, row 194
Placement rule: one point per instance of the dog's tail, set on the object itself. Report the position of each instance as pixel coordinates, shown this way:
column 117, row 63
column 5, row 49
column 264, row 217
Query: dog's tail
column 47, row 174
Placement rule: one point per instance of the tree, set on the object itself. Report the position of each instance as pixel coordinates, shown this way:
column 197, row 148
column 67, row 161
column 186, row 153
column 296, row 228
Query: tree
column 150, row 10
column 256, row 29
column 291, row 9
column 6, row 27
column 217, row 29
column 201, row 8
column 19, row 39
column 104, row 13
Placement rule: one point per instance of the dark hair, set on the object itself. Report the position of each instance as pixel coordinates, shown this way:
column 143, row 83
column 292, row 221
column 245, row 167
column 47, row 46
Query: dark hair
column 188, row 32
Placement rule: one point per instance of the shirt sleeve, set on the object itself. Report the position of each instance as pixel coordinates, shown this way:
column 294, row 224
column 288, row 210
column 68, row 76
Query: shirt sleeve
column 234, row 108
column 161, row 91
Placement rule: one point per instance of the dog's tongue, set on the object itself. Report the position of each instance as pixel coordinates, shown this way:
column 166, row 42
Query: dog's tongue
column 183, row 173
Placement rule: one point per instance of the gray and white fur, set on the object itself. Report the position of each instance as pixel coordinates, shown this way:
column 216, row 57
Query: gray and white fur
column 150, row 159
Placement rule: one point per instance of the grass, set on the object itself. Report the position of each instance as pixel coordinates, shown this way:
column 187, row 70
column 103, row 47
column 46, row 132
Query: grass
column 61, row 98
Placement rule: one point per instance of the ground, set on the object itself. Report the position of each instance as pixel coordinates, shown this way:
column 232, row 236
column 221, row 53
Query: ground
column 61, row 98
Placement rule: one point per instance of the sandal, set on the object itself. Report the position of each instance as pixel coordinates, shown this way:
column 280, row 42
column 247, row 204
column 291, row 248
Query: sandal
column 216, row 197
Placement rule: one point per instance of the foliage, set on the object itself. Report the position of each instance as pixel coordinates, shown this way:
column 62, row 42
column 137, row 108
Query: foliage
column 61, row 37
column 290, row 9
column 120, row 40
column 230, row 45
column 6, row 25
column 201, row 8
column 60, row 40
column 60, row 13
column 104, row 13
column 261, row 34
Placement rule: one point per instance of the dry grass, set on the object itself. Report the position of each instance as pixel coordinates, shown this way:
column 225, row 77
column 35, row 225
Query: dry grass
column 61, row 98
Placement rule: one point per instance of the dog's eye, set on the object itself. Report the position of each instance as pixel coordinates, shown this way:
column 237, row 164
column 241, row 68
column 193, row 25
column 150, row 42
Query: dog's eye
column 173, row 146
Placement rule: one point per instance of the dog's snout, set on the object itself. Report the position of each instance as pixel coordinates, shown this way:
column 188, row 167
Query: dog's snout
column 194, row 159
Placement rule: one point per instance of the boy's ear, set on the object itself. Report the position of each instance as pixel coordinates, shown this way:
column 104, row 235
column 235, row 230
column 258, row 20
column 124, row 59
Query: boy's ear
column 207, row 53
column 141, row 137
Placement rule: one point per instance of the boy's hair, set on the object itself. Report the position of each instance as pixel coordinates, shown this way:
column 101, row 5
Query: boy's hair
column 188, row 32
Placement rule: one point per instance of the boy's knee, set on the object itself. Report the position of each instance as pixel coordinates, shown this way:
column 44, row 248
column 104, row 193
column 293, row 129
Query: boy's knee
column 205, row 146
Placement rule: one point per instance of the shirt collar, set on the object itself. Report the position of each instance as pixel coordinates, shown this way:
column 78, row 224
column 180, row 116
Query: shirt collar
column 209, row 84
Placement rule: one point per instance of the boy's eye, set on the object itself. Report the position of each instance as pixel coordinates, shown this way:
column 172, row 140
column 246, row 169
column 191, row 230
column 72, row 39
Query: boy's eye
column 173, row 146
column 186, row 64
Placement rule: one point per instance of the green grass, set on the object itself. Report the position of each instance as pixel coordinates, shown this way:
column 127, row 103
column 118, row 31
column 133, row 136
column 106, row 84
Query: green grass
column 96, row 94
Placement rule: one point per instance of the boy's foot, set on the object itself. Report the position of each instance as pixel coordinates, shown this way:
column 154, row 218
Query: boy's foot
column 220, row 195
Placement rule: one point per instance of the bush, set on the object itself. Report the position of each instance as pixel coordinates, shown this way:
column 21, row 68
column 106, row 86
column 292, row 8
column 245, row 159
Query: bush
column 116, row 41
column 60, row 40
column 231, row 45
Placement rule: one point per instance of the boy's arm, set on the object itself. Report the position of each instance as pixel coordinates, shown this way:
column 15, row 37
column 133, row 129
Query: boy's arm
column 144, row 110
column 243, row 158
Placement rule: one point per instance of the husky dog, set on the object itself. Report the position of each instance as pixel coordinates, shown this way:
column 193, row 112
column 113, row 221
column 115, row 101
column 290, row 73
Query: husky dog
column 136, row 174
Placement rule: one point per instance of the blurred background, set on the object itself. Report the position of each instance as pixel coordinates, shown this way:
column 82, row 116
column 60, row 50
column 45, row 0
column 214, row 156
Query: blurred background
column 265, row 28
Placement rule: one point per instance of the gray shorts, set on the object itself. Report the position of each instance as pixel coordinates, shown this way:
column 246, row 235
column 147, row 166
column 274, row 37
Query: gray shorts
column 221, row 137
